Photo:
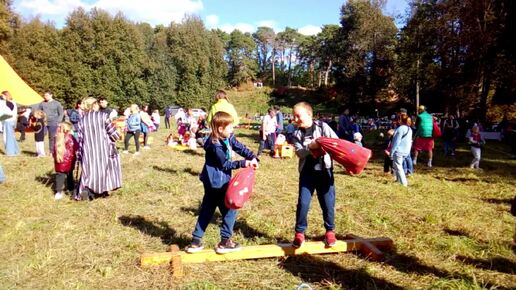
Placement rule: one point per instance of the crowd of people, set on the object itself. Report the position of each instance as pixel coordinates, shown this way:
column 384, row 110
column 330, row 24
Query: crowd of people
column 86, row 135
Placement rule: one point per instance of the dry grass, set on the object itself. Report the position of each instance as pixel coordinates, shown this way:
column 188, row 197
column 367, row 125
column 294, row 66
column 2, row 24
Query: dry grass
column 451, row 227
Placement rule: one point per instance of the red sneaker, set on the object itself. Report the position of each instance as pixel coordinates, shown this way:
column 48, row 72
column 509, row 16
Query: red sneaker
column 299, row 239
column 329, row 238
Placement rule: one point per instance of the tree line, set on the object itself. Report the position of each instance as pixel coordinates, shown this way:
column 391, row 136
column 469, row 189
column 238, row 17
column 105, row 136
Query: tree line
column 456, row 56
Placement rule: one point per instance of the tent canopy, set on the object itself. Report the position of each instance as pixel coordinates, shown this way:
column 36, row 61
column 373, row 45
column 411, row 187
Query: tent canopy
column 11, row 81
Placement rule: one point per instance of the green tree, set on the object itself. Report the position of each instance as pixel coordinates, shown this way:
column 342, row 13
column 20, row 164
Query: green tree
column 37, row 56
column 289, row 40
column 242, row 61
column 264, row 38
column 9, row 21
column 198, row 56
column 159, row 72
column 367, row 45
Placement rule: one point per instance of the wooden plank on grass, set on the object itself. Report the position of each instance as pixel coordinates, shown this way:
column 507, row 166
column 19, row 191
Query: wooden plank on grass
column 267, row 251
column 264, row 251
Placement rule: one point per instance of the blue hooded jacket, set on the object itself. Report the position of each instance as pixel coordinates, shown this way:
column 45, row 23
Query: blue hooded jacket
column 217, row 166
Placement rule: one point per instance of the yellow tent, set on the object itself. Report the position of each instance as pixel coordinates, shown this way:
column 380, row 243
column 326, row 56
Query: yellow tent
column 21, row 92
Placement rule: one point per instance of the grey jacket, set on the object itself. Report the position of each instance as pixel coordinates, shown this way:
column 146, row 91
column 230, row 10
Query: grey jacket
column 302, row 151
column 53, row 110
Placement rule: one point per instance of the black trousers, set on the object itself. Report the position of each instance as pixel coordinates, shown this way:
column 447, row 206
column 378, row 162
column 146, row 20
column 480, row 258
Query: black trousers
column 128, row 136
column 63, row 179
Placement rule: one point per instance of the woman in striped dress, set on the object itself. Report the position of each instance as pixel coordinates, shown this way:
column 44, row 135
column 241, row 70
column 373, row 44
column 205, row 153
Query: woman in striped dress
column 100, row 162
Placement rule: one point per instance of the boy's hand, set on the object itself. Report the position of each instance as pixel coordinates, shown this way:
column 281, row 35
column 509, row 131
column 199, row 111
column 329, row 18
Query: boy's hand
column 253, row 163
column 314, row 145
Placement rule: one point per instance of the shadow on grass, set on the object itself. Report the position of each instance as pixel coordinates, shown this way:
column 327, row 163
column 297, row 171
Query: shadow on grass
column 412, row 265
column 163, row 169
column 194, row 152
column 191, row 172
column 457, row 233
column 313, row 269
column 29, row 153
column 240, row 225
column 175, row 171
column 253, row 136
column 47, row 179
column 499, row 264
column 498, row 200
column 155, row 229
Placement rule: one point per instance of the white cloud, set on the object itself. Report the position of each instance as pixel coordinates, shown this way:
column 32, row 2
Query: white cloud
column 212, row 21
column 58, row 8
column 243, row 27
column 268, row 23
column 309, row 30
column 150, row 11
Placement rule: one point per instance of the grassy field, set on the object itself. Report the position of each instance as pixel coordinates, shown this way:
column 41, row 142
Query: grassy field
column 451, row 226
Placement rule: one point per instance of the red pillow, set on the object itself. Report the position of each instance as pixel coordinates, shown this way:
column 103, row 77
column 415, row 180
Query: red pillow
column 240, row 188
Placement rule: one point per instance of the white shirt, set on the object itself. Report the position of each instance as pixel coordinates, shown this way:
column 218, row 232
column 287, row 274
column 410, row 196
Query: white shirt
column 155, row 118
column 269, row 124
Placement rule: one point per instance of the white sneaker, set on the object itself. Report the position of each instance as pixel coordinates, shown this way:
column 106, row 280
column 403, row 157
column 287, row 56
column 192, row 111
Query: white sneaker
column 146, row 147
column 136, row 153
column 429, row 164
column 58, row 196
column 125, row 152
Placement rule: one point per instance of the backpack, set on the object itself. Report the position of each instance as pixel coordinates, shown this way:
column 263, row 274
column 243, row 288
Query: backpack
column 436, row 131
column 74, row 116
column 133, row 121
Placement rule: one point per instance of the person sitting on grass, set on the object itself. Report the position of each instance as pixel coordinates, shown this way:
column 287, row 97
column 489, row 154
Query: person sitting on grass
column 64, row 159
column 315, row 173
column 215, row 177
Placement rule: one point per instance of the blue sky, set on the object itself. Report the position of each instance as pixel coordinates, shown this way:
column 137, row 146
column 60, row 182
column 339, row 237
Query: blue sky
column 305, row 15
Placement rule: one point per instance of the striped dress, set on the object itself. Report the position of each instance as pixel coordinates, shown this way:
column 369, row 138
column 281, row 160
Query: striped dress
column 100, row 162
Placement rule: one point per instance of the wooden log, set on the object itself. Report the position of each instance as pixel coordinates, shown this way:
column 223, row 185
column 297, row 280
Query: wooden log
column 176, row 265
column 370, row 247
column 269, row 251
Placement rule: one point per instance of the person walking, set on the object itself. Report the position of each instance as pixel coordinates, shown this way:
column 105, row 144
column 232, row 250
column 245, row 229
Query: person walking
column 168, row 114
column 222, row 104
column 424, row 140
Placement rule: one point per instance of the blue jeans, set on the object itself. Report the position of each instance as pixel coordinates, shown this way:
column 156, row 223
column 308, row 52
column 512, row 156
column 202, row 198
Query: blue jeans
column 52, row 131
column 2, row 176
column 449, row 147
column 213, row 198
column 408, row 167
column 11, row 145
column 323, row 182
column 397, row 165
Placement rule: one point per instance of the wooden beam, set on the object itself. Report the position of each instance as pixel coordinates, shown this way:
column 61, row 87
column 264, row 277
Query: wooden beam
column 268, row 251
column 176, row 265
column 371, row 247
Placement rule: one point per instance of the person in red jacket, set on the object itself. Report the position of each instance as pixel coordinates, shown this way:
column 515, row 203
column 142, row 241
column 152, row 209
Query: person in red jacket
column 64, row 159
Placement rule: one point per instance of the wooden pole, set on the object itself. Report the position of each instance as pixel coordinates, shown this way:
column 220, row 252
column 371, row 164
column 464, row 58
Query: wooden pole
column 370, row 247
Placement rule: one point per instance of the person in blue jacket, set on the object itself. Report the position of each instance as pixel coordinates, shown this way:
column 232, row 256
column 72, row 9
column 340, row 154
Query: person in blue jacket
column 215, row 177
column 400, row 149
